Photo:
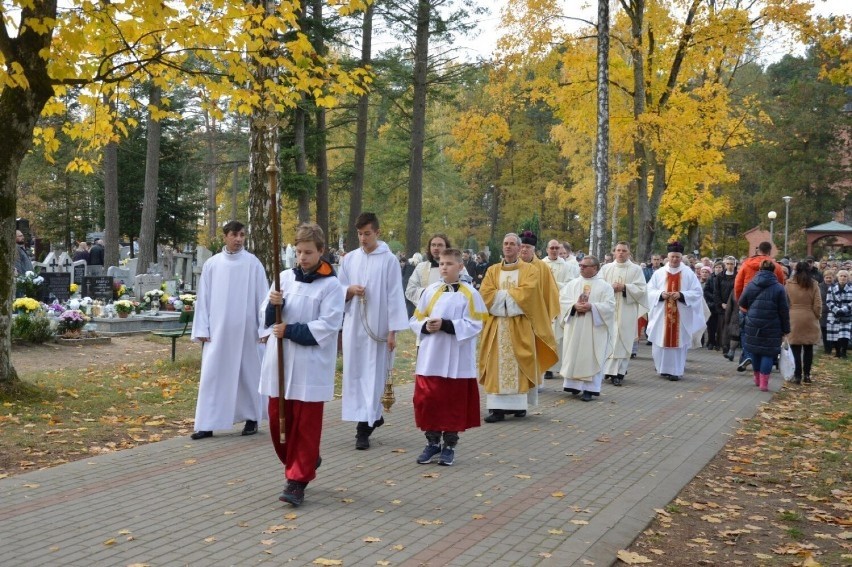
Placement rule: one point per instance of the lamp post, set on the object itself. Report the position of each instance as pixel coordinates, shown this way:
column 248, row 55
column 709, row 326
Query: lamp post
column 787, row 199
column 772, row 215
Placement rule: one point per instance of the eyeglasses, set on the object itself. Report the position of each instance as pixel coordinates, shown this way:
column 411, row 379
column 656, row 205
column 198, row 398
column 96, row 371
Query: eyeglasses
column 587, row 265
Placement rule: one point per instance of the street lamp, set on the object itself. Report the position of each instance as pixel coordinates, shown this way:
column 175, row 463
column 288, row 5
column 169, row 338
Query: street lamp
column 787, row 199
column 772, row 215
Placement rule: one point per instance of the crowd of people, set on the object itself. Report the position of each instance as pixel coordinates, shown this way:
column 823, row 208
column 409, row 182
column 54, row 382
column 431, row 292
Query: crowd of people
column 507, row 326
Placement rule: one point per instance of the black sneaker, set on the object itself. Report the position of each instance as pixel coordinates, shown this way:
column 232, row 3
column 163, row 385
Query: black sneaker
column 428, row 454
column 807, row 379
column 294, row 494
column 201, row 435
column 362, row 442
column 448, row 456
column 548, row 375
column 586, row 397
column 617, row 380
column 673, row 378
column 250, row 428
column 744, row 365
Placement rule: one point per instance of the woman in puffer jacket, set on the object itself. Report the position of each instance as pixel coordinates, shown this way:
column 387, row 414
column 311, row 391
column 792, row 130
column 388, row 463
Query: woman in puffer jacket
column 767, row 321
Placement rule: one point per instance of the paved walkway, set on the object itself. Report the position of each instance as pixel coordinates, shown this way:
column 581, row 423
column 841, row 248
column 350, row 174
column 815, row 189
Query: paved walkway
column 570, row 484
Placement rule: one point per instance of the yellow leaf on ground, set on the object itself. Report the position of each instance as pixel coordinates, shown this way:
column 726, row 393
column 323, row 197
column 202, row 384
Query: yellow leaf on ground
column 31, row 485
column 210, row 539
column 124, row 532
column 555, row 532
column 324, row 561
column 371, row 539
column 579, row 522
column 587, row 562
column 632, row 558
column 267, row 541
column 290, row 516
column 381, row 562
column 524, row 476
column 478, row 517
column 398, row 547
column 558, row 494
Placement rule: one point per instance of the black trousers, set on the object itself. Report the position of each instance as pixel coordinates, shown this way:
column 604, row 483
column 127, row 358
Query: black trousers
column 803, row 355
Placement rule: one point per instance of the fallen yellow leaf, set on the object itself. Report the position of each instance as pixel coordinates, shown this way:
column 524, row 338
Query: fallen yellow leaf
column 558, row 494
column 267, row 541
column 524, row 476
column 110, row 541
column 210, row 539
column 579, row 522
column 632, row 558
column 371, row 539
column 555, row 532
column 324, row 561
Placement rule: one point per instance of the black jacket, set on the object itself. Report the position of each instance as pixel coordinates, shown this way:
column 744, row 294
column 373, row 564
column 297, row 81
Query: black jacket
column 768, row 317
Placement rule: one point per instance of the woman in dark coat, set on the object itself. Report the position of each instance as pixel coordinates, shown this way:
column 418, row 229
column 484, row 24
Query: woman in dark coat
column 723, row 285
column 767, row 321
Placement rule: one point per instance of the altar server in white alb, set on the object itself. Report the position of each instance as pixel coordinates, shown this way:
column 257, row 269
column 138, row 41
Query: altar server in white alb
column 677, row 313
column 562, row 274
column 448, row 318
column 588, row 305
column 631, row 302
column 227, row 316
column 312, row 313
column 375, row 311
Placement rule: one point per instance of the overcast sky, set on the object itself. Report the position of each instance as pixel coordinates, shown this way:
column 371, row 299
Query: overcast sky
column 484, row 43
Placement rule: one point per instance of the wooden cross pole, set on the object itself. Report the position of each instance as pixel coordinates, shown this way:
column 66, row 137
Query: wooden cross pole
column 272, row 173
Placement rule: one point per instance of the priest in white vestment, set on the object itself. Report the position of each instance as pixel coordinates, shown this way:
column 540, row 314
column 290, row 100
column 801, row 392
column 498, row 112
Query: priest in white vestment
column 562, row 274
column 231, row 290
column 676, row 303
column 375, row 311
column 588, row 305
column 631, row 302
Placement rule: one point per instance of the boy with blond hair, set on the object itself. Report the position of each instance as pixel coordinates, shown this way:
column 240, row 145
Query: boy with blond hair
column 449, row 316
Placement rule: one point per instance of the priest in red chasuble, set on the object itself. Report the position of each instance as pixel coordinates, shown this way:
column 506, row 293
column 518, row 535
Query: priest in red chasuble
column 676, row 313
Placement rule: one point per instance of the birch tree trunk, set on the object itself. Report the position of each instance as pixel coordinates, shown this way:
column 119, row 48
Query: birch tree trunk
column 321, row 158
column 148, row 226
column 418, row 130
column 356, row 193
column 597, row 243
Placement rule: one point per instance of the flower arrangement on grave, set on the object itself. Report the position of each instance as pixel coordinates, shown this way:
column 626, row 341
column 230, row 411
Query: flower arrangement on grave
column 73, row 288
column 55, row 308
column 26, row 305
column 28, row 284
column 152, row 297
column 30, row 324
column 188, row 300
column 123, row 306
column 71, row 322
column 137, row 307
column 118, row 289
column 166, row 300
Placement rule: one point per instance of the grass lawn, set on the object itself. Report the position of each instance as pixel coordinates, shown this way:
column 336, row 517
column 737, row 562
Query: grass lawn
column 70, row 414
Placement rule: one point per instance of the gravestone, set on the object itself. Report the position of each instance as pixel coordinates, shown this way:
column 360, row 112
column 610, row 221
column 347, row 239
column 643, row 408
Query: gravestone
column 122, row 275
column 145, row 283
column 98, row 287
column 80, row 271
column 64, row 263
column 131, row 265
column 50, row 264
column 124, row 252
column 172, row 287
column 182, row 265
column 56, row 286
column 95, row 271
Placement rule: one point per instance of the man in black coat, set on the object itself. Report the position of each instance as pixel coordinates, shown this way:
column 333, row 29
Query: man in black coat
column 96, row 254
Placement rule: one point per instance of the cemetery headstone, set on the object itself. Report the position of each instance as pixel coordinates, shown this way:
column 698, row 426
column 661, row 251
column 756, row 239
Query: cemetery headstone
column 95, row 271
column 98, row 287
column 79, row 271
column 146, row 283
column 57, row 285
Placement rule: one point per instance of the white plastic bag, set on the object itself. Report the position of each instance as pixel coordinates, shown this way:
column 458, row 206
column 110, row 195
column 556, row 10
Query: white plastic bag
column 787, row 365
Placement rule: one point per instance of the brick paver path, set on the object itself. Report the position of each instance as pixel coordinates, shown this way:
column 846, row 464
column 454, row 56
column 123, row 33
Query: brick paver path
column 569, row 484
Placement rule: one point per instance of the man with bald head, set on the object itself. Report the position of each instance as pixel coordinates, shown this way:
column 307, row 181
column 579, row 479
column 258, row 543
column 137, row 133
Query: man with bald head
column 517, row 341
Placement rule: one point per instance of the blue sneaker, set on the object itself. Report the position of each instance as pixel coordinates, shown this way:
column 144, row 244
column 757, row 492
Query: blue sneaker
column 448, row 455
column 428, row 454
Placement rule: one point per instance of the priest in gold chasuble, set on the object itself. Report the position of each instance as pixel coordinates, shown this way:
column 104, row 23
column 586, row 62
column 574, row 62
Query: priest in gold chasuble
column 517, row 342
column 677, row 313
